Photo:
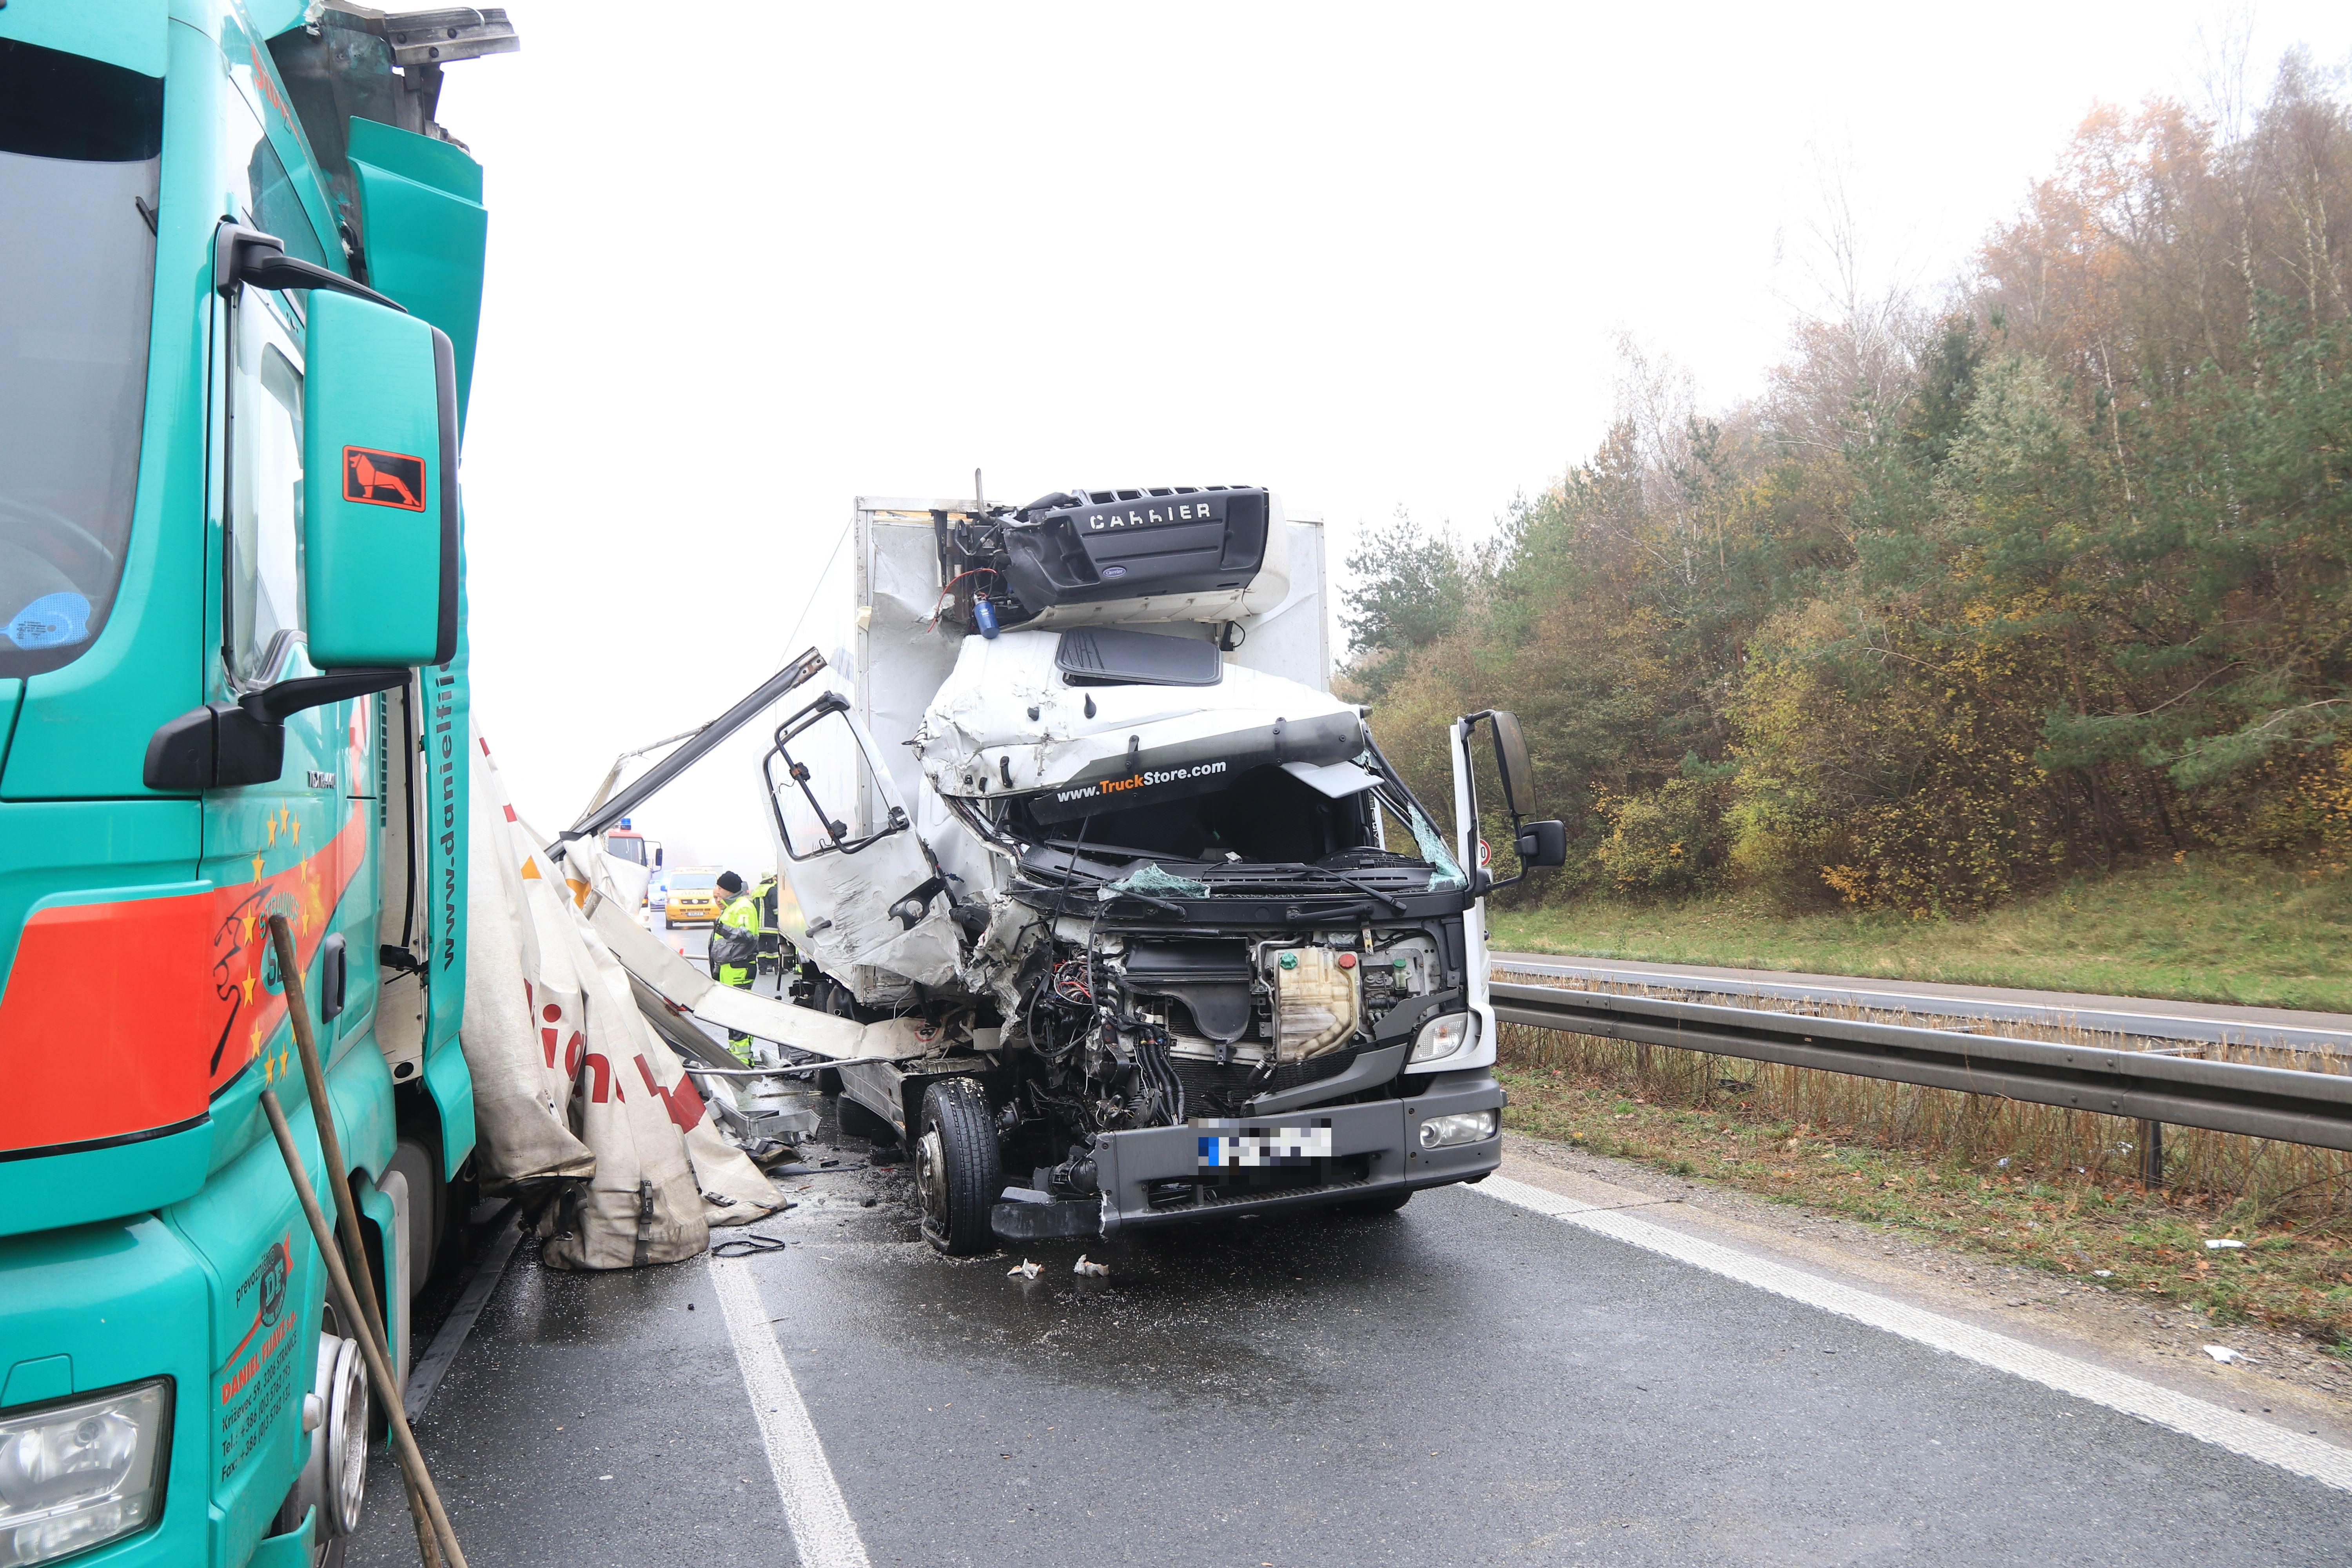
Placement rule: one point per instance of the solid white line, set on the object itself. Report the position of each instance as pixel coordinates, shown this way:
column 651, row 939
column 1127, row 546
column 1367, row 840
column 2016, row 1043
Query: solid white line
column 2207, row 1423
column 823, row 1531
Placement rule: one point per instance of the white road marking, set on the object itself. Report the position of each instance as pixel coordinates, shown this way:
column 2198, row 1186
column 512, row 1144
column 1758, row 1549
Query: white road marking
column 823, row 1531
column 2198, row 1418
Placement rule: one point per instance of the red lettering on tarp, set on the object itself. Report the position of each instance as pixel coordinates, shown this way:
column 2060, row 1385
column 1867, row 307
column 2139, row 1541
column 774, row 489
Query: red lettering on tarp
column 683, row 1103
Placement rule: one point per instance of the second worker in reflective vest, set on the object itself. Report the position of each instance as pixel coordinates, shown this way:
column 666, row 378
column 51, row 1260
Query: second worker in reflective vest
column 735, row 949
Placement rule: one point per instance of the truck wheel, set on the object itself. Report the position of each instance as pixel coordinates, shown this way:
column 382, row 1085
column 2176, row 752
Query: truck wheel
column 1387, row 1202
column 856, row 1121
column 956, row 1170
column 333, row 1477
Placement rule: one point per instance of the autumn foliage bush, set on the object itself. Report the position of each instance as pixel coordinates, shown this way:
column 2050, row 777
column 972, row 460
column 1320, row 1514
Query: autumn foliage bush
column 2053, row 574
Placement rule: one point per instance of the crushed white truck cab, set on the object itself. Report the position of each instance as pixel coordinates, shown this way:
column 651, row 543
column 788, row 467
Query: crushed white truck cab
column 1079, row 806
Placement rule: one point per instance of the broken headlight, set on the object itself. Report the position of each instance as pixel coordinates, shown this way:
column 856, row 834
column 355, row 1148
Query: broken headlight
column 73, row 1476
column 1445, row 1036
column 1465, row 1127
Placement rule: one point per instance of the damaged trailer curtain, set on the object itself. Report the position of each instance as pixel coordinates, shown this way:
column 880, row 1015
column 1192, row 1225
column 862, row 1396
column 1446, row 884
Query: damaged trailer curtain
column 574, row 1090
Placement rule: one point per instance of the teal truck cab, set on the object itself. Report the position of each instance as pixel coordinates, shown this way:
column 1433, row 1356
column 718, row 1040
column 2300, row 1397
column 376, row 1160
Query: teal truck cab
column 238, row 312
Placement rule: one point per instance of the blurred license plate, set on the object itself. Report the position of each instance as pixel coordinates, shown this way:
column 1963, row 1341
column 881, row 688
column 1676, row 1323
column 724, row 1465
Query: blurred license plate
column 1257, row 1146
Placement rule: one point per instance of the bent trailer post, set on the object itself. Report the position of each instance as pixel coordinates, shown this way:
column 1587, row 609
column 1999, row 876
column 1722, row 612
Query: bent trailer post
column 705, row 740
column 2288, row 1104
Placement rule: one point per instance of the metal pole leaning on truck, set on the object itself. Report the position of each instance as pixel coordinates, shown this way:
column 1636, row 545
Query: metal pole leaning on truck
column 346, row 1214
column 412, row 1462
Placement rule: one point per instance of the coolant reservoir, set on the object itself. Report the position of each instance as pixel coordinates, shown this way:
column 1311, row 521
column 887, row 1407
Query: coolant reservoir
column 1315, row 1002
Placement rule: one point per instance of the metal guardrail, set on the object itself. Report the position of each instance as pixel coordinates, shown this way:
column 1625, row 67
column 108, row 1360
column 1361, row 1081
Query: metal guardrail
column 2283, row 1103
column 2262, row 1028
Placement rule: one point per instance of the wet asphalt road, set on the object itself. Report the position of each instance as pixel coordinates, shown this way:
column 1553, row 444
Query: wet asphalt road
column 1461, row 1383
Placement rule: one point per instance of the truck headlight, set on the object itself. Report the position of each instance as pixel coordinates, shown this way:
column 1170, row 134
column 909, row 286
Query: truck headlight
column 73, row 1476
column 1443, row 1037
column 1464, row 1127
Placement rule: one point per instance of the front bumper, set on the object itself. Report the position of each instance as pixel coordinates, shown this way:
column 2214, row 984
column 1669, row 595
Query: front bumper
column 685, row 913
column 1155, row 1177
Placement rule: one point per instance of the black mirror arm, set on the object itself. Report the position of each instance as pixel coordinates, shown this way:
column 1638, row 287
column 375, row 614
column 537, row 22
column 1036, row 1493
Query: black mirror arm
column 223, row 744
column 242, row 254
column 276, row 704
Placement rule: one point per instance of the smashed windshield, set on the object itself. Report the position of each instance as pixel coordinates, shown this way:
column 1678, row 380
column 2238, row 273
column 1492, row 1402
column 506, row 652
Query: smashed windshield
column 79, row 158
column 1273, row 816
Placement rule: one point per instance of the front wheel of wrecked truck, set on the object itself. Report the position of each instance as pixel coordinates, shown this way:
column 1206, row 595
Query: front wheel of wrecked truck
column 957, row 1174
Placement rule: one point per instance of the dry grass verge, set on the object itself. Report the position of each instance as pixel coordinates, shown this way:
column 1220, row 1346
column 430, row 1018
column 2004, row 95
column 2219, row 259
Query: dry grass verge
column 2035, row 1185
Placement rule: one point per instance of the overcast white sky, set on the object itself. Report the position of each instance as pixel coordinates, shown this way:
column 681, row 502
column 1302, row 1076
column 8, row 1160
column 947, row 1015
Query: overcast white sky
column 750, row 261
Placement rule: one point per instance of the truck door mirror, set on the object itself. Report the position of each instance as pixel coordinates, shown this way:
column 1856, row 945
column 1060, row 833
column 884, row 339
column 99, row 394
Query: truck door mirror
column 1511, row 762
column 380, row 448
column 1543, row 845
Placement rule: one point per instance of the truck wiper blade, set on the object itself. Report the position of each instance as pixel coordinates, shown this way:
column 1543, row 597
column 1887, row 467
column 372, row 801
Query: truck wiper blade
column 1179, row 911
column 1300, row 868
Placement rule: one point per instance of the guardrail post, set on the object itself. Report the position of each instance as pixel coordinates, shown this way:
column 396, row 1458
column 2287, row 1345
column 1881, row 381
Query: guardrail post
column 2151, row 1154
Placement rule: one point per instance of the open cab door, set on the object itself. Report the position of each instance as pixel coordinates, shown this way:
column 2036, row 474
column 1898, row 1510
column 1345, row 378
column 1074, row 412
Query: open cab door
column 1540, row 846
column 873, row 894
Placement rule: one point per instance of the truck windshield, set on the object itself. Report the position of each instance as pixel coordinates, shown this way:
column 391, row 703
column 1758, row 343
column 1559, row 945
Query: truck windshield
column 1263, row 816
column 80, row 145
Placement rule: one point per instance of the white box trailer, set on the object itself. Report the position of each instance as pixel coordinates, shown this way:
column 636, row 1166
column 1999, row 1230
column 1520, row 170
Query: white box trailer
column 1082, row 812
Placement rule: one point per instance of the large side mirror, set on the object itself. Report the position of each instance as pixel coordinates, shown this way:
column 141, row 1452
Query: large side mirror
column 1543, row 845
column 1511, row 762
column 380, row 412
column 380, row 527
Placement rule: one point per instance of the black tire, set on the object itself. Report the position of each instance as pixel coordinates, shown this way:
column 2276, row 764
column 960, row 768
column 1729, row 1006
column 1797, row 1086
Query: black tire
column 1387, row 1202
column 856, row 1121
column 958, row 1171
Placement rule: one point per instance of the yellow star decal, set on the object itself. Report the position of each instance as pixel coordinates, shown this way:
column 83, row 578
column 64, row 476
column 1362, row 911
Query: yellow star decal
column 269, row 1069
column 272, row 824
column 295, row 827
column 248, row 928
column 248, row 990
column 257, row 867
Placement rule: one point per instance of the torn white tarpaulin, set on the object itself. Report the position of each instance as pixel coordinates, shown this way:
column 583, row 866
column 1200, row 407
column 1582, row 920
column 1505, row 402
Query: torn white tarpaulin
column 660, row 968
column 590, row 1070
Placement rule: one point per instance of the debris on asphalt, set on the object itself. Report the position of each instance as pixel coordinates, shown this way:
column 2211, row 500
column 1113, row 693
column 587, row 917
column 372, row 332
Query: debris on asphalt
column 747, row 1244
column 1025, row 1269
column 2224, row 1354
column 1097, row 1270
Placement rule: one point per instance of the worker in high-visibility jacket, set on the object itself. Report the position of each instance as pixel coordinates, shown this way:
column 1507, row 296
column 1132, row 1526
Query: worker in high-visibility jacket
column 773, row 945
column 735, row 949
